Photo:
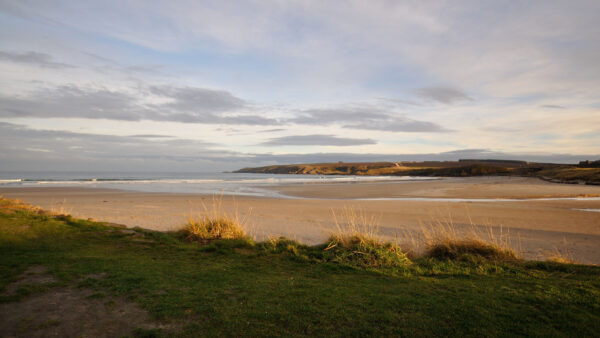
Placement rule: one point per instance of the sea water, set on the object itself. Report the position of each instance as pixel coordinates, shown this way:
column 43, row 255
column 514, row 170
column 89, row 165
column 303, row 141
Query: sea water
column 198, row 183
column 243, row 184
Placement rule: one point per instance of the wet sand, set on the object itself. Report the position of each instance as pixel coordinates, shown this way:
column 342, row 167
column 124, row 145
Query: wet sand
column 459, row 187
column 536, row 228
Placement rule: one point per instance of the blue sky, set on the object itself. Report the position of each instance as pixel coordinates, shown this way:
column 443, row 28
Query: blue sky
column 212, row 85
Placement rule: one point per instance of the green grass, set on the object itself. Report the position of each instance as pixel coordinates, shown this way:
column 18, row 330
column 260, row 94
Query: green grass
column 237, row 287
column 363, row 251
column 469, row 249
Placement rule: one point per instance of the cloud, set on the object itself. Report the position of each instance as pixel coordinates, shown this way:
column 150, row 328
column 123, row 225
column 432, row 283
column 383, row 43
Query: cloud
column 23, row 148
column 316, row 140
column 183, row 104
column 74, row 102
column 483, row 46
column 512, row 60
column 17, row 140
column 336, row 115
column 150, row 136
column 192, row 105
column 150, row 69
column 398, row 125
column 274, row 130
column 117, row 67
column 367, row 118
column 552, row 106
column 190, row 99
column 34, row 58
column 252, row 120
column 447, row 95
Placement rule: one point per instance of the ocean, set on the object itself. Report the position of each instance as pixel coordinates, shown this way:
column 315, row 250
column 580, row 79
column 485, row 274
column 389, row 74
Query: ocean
column 199, row 183
column 242, row 184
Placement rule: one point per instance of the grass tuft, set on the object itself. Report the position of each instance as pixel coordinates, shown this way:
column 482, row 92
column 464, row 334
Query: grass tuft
column 442, row 239
column 561, row 255
column 356, row 242
column 360, row 250
column 283, row 245
column 13, row 205
column 206, row 230
column 214, row 224
column 469, row 249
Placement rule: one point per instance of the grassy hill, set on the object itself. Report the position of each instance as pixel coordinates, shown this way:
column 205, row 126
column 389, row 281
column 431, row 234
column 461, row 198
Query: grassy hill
column 207, row 281
column 559, row 173
column 571, row 174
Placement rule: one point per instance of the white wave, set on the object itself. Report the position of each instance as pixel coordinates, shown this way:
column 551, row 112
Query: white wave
column 99, row 181
column 11, row 180
column 168, row 181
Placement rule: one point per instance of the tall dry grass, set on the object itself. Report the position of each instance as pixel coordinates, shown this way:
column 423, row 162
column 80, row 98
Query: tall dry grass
column 60, row 208
column 559, row 255
column 356, row 241
column 214, row 223
column 440, row 238
column 351, row 223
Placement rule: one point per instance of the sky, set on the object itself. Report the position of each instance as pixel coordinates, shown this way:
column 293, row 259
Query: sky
column 218, row 85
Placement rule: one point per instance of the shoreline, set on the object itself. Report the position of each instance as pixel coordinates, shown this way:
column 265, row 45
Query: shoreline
column 539, row 225
column 481, row 188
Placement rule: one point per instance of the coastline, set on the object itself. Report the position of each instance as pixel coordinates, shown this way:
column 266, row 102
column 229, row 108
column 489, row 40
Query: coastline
column 537, row 227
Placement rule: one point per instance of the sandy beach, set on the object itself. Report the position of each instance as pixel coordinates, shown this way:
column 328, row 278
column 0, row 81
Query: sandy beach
column 536, row 228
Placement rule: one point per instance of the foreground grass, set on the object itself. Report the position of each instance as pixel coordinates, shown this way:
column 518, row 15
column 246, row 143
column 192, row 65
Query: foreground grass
column 240, row 288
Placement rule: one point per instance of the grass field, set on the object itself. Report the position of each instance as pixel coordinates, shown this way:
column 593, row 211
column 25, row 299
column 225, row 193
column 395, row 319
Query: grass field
column 237, row 287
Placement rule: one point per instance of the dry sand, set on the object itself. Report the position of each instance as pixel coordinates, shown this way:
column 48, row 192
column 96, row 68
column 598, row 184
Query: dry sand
column 536, row 228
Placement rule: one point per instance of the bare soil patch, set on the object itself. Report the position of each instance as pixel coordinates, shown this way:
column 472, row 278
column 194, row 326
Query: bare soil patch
column 69, row 311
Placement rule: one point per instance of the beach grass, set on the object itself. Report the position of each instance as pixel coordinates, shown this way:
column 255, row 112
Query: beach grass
column 279, row 287
column 470, row 249
column 213, row 224
column 211, row 229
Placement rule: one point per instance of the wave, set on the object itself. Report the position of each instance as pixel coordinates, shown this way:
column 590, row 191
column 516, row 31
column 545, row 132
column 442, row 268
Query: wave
column 260, row 181
column 113, row 180
column 11, row 180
